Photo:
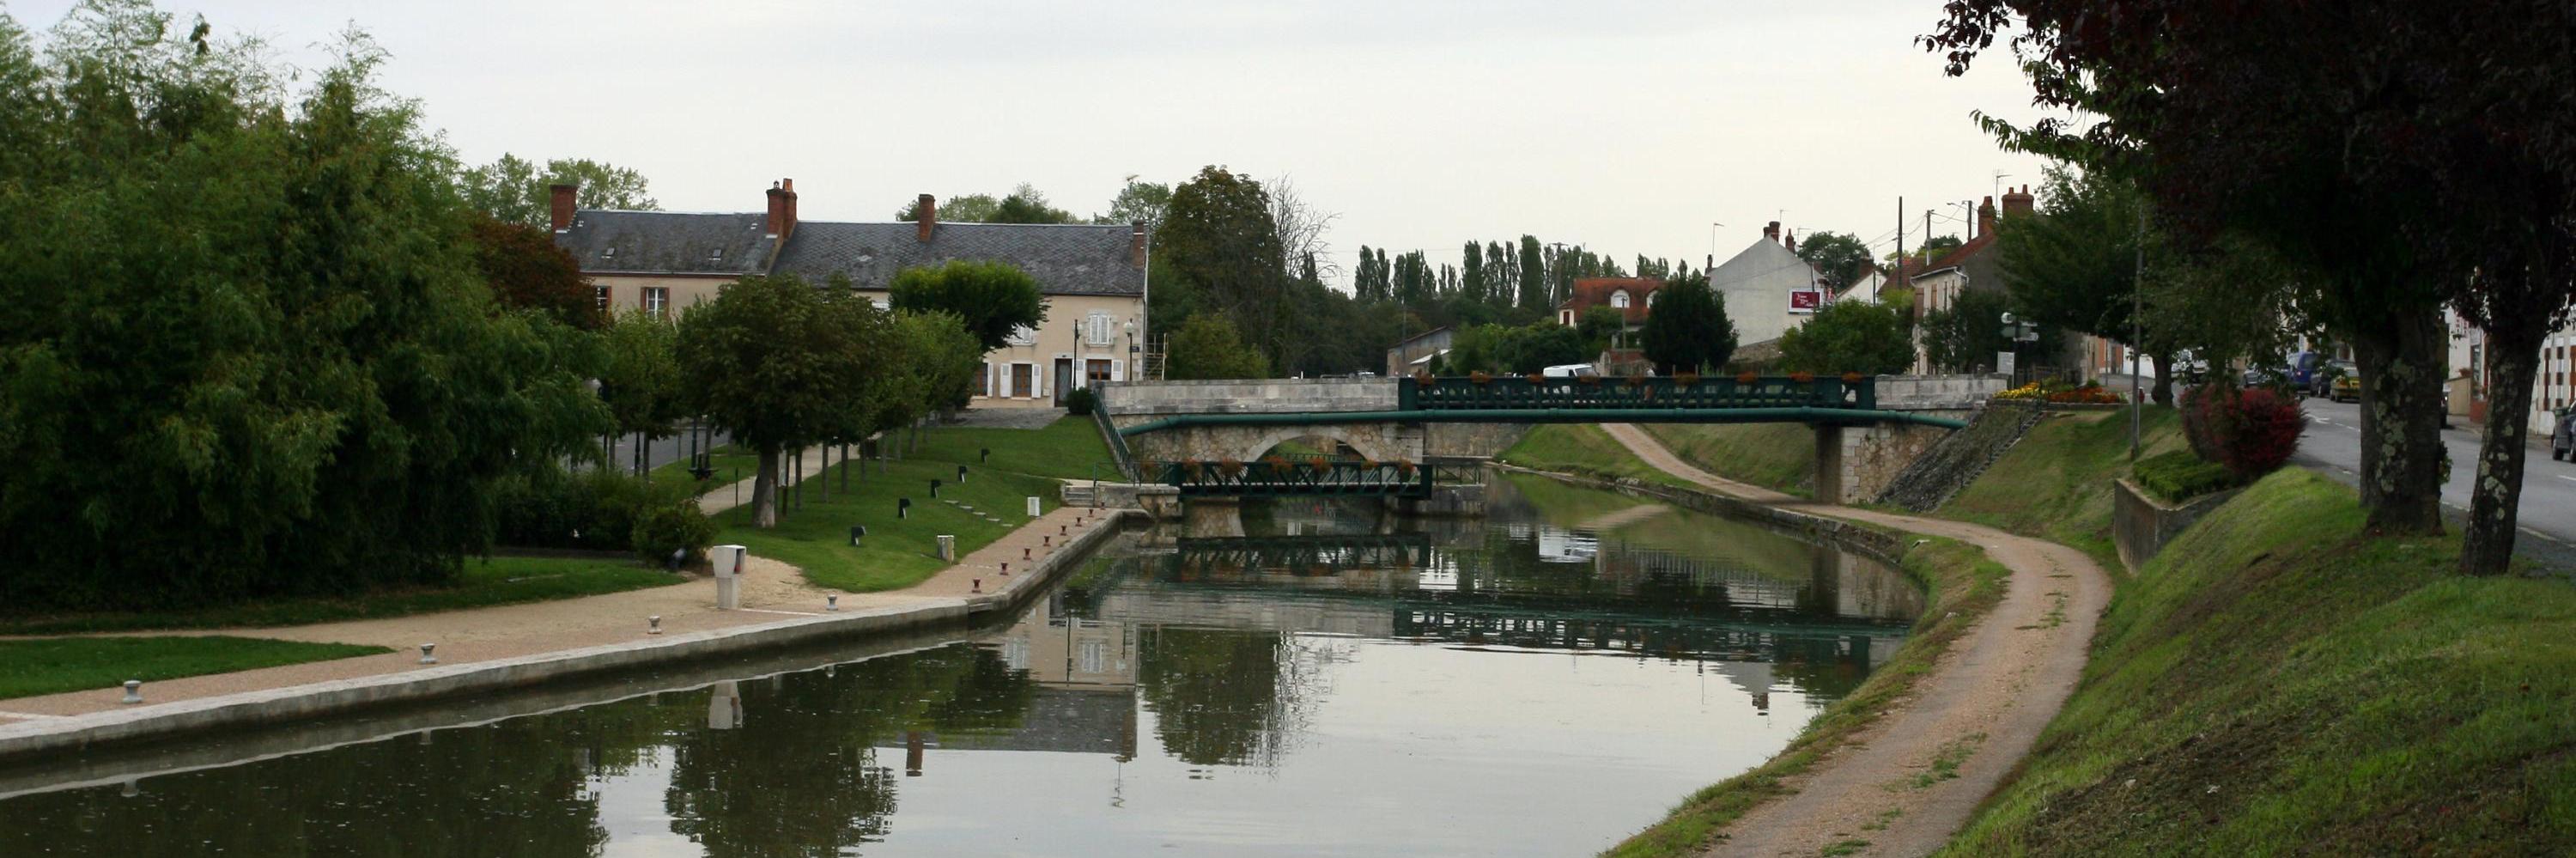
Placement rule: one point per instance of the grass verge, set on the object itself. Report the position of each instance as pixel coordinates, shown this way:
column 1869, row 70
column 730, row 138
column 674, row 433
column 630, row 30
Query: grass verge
column 496, row 581
column 901, row 552
column 2277, row 682
column 731, row 464
column 56, row 665
column 1962, row 585
column 2056, row 483
column 1583, row 448
column 1779, row 456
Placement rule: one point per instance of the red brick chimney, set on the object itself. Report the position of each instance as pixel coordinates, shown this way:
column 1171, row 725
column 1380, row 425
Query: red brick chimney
column 1771, row 232
column 1136, row 245
column 925, row 217
column 1788, row 239
column 782, row 210
column 563, row 205
column 1986, row 216
column 2018, row 202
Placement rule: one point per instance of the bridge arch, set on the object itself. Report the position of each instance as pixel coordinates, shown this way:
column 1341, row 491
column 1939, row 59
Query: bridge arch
column 1384, row 442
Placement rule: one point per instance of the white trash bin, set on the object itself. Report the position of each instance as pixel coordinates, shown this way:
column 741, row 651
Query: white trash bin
column 728, row 562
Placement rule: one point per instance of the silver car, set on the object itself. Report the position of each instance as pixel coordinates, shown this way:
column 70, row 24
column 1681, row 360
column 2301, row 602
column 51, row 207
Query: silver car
column 2562, row 443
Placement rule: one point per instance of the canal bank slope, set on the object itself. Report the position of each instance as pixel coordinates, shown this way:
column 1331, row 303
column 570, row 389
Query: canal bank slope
column 1914, row 775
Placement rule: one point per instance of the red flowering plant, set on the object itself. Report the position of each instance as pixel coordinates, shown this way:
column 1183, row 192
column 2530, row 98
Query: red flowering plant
column 2251, row 432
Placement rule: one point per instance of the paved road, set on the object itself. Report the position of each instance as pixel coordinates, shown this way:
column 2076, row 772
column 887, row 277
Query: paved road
column 2332, row 445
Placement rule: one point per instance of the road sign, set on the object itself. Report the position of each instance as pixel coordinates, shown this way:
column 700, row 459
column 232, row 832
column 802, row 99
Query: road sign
column 2004, row 362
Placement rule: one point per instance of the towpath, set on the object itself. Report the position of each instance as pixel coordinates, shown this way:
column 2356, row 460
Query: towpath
column 1914, row 777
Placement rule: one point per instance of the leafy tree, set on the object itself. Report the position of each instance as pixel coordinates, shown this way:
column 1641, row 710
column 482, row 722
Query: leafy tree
column 1533, row 271
column 1138, row 202
column 2075, row 264
column 1027, row 205
column 963, row 208
column 2358, row 143
column 515, row 191
column 527, row 271
column 641, row 382
column 1849, row 336
column 1221, row 240
column 1600, row 324
column 1689, row 328
column 287, row 379
column 993, row 299
column 930, row 368
column 1965, row 336
column 1207, row 346
column 1471, row 285
column 1534, row 347
column 778, row 365
column 1839, row 256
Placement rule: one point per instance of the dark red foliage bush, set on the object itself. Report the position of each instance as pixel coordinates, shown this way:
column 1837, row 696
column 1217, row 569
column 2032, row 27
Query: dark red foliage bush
column 2250, row 432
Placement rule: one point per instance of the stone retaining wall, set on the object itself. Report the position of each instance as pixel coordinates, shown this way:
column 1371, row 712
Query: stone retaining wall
column 2141, row 526
column 1257, row 396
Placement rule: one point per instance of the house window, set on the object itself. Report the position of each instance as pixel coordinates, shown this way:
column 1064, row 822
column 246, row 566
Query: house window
column 600, row 293
column 984, row 379
column 1024, row 380
column 1619, row 299
column 1023, row 336
column 1095, row 371
column 657, row 301
column 1098, row 329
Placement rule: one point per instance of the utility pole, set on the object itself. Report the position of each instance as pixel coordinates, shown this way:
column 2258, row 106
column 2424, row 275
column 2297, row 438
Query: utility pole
column 1902, row 277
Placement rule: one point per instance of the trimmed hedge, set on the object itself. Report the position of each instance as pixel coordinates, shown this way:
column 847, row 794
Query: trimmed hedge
column 601, row 510
column 2179, row 476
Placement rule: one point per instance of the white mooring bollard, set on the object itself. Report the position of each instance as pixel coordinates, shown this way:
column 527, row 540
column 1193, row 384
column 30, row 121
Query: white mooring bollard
column 1034, row 511
column 948, row 548
column 134, row 691
column 426, row 656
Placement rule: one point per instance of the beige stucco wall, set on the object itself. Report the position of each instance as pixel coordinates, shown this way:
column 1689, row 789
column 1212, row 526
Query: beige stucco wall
column 1056, row 338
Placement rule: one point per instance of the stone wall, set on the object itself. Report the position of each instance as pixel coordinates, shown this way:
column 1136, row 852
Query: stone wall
column 1471, row 440
column 2141, row 525
column 1937, row 392
column 1385, row 442
column 1949, row 465
column 1873, row 456
column 1256, row 396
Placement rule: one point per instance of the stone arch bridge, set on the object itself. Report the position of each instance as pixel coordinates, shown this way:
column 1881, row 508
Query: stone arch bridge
column 1866, row 430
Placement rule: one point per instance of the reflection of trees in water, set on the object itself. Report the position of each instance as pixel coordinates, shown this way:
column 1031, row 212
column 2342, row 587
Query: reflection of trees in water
column 514, row 788
column 1225, row 697
column 800, row 775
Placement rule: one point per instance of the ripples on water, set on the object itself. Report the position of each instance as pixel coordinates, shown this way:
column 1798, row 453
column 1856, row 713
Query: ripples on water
column 1289, row 679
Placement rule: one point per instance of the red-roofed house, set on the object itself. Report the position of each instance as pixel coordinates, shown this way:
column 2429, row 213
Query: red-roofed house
column 1631, row 296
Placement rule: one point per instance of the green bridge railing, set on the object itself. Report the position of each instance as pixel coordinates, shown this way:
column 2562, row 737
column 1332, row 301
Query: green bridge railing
column 1600, row 393
column 1298, row 477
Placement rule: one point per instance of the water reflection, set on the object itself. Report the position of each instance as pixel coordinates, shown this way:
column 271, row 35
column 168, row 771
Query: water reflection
column 1539, row 682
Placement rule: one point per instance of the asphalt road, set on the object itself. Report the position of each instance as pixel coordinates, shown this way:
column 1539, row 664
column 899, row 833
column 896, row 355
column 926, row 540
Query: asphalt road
column 2332, row 445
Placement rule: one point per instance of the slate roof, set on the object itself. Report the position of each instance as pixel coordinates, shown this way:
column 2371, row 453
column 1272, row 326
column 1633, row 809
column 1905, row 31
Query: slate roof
column 629, row 242
column 1074, row 259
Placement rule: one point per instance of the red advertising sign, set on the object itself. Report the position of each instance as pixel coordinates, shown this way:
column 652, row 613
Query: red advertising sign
column 1805, row 300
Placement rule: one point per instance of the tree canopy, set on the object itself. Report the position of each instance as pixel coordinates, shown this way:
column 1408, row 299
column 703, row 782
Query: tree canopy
column 1689, row 329
column 527, row 271
column 1208, row 346
column 1849, row 336
column 779, row 364
column 513, row 190
column 992, row 299
column 1838, row 256
column 1221, row 240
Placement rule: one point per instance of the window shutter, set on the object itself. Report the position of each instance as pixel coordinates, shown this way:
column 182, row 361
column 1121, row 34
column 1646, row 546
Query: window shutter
column 1117, row 370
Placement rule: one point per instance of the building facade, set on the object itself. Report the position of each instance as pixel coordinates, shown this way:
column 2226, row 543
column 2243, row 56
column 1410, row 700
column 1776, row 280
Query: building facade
column 1767, row 287
column 1092, row 277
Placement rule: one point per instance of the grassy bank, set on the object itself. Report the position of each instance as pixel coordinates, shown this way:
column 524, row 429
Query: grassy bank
column 2275, row 682
column 33, row 667
column 731, row 464
column 497, row 581
column 2056, row 483
column 1582, row 448
column 1780, row 456
column 898, row 553
column 1962, row 586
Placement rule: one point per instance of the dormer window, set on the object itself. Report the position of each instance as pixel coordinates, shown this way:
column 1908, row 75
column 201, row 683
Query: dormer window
column 718, row 255
column 1619, row 299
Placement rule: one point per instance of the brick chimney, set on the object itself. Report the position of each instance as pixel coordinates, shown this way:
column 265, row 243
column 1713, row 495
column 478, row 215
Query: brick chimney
column 562, row 204
column 1986, row 216
column 782, row 210
column 1771, row 232
column 925, row 217
column 1136, row 245
column 2018, row 202
column 1789, row 239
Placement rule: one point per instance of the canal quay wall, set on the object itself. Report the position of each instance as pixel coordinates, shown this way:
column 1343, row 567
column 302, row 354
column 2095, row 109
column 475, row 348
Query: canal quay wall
column 46, row 740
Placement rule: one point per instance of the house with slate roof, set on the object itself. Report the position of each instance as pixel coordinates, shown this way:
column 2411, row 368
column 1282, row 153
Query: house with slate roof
column 1768, row 288
column 1092, row 276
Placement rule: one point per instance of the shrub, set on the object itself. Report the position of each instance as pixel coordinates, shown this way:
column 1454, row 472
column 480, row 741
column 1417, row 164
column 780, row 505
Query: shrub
column 2180, row 476
column 665, row 529
column 1080, row 402
column 598, row 510
column 2251, row 431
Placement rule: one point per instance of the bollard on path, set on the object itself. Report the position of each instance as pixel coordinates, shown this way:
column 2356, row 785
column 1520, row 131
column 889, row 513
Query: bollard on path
column 728, row 560
column 1033, row 508
column 427, row 651
column 134, row 691
column 948, row 548
column 831, row 602
column 653, row 624
column 975, row 585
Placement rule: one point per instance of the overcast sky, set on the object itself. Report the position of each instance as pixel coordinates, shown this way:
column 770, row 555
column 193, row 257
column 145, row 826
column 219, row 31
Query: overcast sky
column 1625, row 126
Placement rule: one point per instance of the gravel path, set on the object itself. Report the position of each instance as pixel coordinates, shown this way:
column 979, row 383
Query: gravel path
column 1912, row 779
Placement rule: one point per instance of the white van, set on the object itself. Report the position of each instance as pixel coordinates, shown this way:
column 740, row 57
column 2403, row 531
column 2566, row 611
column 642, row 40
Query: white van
column 1571, row 370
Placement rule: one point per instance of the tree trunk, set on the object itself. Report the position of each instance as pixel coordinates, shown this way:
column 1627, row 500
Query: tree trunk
column 2400, row 358
column 845, row 467
column 825, row 484
column 764, row 490
column 2163, row 392
column 2495, row 500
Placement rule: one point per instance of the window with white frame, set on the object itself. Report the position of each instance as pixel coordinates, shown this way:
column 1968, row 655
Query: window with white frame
column 1619, row 299
column 600, row 293
column 657, row 300
column 1098, row 329
column 1023, row 336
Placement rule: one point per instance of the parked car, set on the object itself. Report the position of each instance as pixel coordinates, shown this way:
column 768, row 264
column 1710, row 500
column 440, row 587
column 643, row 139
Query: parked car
column 2189, row 367
column 2328, row 377
column 2347, row 388
column 1571, row 370
column 2562, row 443
column 2279, row 378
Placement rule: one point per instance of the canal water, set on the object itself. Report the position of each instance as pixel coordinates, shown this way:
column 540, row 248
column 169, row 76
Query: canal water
column 1295, row 678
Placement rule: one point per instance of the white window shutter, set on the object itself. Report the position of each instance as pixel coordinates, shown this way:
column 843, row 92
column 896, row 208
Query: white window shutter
column 1117, row 370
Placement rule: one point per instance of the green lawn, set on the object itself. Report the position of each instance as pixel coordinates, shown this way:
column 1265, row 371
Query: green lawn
column 498, row 581
column 731, row 464
column 1582, row 448
column 32, row 667
column 2056, row 483
column 2278, row 682
column 900, row 553
column 1779, row 456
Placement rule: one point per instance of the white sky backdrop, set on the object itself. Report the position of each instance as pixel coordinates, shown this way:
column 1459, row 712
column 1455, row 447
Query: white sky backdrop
column 1625, row 126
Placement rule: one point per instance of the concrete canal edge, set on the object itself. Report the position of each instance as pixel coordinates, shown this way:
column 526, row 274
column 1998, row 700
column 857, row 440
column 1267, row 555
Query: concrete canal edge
column 24, row 741
column 1880, row 545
